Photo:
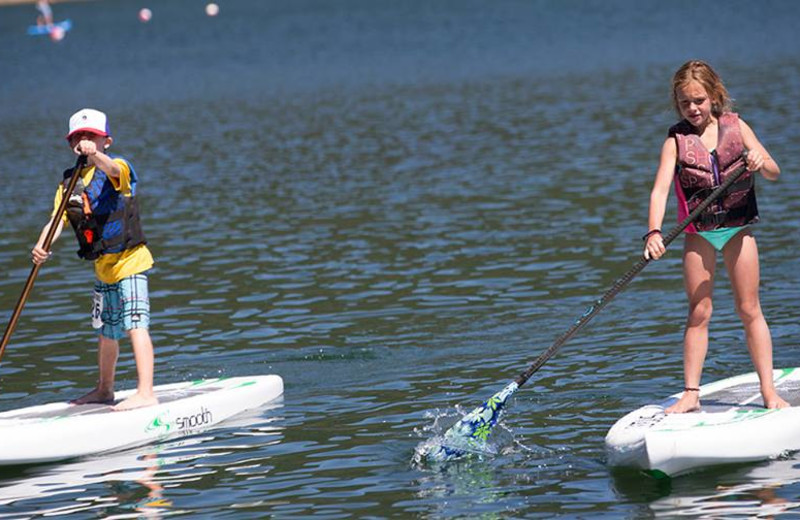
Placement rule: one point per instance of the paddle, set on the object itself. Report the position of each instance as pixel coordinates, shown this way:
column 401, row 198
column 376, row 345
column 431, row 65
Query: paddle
column 48, row 240
column 475, row 427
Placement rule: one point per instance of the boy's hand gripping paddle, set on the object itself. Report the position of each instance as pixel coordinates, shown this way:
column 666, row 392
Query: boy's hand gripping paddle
column 470, row 433
column 48, row 240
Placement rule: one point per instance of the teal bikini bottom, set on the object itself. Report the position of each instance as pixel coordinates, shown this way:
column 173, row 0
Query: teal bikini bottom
column 719, row 237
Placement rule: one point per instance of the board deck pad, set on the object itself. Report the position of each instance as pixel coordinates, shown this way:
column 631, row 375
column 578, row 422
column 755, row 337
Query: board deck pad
column 747, row 396
column 164, row 396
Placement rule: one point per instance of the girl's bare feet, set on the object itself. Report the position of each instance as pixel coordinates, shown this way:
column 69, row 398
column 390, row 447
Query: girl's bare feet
column 773, row 400
column 689, row 402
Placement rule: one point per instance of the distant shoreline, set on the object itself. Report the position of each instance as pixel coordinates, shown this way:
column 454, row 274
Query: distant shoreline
column 18, row 2
column 14, row 2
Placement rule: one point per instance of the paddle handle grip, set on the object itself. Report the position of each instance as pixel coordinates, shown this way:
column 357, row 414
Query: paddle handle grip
column 626, row 279
column 48, row 241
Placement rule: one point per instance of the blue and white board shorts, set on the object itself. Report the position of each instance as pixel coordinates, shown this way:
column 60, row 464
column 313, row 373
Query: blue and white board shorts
column 120, row 307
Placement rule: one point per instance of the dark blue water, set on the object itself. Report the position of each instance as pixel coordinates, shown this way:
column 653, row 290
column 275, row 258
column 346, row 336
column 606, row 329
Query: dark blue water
column 396, row 206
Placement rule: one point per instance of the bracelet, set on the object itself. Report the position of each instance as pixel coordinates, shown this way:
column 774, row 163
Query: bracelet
column 650, row 233
column 690, row 389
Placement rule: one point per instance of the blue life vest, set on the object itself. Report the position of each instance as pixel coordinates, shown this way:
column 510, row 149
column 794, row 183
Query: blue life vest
column 105, row 221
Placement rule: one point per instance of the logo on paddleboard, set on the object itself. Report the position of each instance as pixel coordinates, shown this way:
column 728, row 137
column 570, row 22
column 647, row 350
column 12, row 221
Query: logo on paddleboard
column 190, row 422
column 160, row 425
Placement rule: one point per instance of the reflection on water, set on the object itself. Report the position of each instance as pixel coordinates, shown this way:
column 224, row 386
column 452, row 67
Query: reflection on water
column 133, row 478
column 760, row 491
column 143, row 480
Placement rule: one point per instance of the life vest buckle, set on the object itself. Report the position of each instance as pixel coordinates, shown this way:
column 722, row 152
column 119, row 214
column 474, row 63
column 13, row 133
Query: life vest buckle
column 714, row 219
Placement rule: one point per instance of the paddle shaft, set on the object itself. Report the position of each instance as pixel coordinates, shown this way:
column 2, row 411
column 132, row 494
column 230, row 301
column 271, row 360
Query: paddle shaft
column 623, row 282
column 48, row 240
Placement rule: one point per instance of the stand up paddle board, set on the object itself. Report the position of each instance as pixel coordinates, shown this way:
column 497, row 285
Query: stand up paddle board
column 41, row 30
column 731, row 426
column 59, row 431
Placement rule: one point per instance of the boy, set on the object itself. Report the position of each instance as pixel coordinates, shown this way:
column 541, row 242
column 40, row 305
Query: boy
column 103, row 211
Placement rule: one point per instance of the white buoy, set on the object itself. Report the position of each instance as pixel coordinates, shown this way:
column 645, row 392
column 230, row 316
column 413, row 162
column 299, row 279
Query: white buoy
column 145, row 14
column 212, row 9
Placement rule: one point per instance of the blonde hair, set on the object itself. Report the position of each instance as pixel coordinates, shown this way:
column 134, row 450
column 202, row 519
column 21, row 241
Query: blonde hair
column 701, row 72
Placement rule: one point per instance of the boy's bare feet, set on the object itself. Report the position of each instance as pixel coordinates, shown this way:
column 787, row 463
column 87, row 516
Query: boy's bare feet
column 135, row 401
column 95, row 396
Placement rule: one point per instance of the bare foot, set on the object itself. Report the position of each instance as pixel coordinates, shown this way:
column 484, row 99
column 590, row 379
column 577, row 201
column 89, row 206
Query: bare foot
column 689, row 402
column 136, row 401
column 773, row 400
column 95, row 396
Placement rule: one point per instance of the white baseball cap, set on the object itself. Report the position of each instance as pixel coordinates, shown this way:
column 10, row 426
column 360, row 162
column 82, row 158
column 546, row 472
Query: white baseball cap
column 89, row 120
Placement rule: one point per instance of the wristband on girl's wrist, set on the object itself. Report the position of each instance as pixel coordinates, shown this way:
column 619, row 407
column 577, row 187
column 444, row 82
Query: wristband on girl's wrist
column 650, row 233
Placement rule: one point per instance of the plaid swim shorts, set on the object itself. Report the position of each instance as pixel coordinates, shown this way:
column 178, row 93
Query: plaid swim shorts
column 122, row 306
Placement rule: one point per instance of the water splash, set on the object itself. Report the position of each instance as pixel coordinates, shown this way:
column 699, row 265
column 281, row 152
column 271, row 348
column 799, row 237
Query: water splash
column 440, row 449
column 470, row 435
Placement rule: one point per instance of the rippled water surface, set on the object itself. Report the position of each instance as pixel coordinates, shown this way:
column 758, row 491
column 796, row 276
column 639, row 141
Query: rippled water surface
column 396, row 206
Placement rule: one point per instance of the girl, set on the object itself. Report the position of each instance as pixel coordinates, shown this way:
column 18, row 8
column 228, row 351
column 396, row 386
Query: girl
column 699, row 152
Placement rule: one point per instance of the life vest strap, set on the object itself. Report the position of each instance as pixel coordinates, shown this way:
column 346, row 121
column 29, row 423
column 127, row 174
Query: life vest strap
column 717, row 218
column 740, row 185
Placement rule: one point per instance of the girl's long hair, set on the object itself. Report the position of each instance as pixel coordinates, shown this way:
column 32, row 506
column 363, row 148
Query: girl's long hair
column 700, row 71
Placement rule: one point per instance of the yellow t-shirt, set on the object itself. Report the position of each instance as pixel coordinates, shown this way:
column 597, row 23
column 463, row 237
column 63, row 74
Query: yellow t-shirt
column 113, row 267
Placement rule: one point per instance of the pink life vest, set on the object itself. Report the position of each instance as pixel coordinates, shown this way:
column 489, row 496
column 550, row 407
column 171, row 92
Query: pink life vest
column 699, row 171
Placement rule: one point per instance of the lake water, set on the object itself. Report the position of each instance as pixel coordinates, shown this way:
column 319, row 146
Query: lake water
column 396, row 206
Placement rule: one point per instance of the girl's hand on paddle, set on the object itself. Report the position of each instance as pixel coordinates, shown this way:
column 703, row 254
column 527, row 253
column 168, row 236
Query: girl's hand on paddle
column 754, row 160
column 39, row 255
column 654, row 247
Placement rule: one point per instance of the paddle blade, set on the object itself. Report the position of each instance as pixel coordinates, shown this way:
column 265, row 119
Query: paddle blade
column 469, row 435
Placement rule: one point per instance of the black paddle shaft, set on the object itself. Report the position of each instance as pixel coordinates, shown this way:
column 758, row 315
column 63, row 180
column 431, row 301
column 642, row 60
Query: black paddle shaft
column 48, row 240
column 623, row 282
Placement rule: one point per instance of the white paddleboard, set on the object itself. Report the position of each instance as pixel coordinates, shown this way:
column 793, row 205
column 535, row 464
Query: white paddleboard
column 732, row 426
column 59, row 431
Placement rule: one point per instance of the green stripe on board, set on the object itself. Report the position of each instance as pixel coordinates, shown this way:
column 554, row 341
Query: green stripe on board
column 200, row 382
column 657, row 474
